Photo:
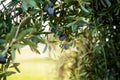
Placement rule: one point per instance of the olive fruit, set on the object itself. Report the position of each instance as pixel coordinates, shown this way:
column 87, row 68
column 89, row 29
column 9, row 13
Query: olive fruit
column 80, row 24
column 91, row 25
column 2, row 60
column 48, row 8
column 50, row 11
column 53, row 30
column 65, row 46
column 62, row 37
column 100, row 20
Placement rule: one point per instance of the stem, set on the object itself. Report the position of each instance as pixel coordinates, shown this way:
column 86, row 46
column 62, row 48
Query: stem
column 14, row 39
column 16, row 34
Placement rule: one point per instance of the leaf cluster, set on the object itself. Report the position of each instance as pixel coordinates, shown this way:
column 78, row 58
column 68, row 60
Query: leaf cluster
column 24, row 22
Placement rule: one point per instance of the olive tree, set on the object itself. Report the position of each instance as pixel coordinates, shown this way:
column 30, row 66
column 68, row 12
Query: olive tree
column 93, row 22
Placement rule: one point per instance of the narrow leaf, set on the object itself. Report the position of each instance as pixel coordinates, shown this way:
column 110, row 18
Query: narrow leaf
column 74, row 28
column 25, row 32
column 30, row 43
column 12, row 33
column 17, row 45
column 108, row 3
column 84, row 9
column 102, row 2
column 17, row 69
column 28, row 3
column 70, row 24
column 35, row 49
column 9, row 73
column 8, row 62
column 45, row 48
column 25, row 21
column 15, row 65
column 12, row 54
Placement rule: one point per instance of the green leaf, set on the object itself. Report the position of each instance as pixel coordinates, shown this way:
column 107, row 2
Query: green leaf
column 108, row 3
column 13, row 3
column 83, row 73
column 96, row 4
column 51, row 24
column 18, row 50
column 41, row 40
column 66, row 1
column 38, row 24
column 17, row 69
column 25, row 32
column 25, row 6
column 15, row 65
column 33, row 11
column 70, row 24
column 70, row 19
column 25, row 21
column 102, row 13
column 12, row 33
column 103, row 3
column 13, row 54
column 2, row 41
column 39, row 2
column 18, row 45
column 8, row 62
column 45, row 48
column 30, row 43
column 117, row 12
column 84, row 9
column 8, row 73
column 35, row 50
column 74, row 28
column 28, row 3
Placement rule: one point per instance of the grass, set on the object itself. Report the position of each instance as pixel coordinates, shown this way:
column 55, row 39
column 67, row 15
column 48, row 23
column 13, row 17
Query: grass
column 34, row 67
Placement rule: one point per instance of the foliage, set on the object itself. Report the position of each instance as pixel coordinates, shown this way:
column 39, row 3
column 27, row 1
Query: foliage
column 98, row 52
column 93, row 22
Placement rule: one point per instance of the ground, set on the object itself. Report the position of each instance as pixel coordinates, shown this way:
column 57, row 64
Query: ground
column 34, row 67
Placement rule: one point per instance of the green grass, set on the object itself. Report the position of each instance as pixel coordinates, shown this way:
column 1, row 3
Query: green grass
column 36, row 69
